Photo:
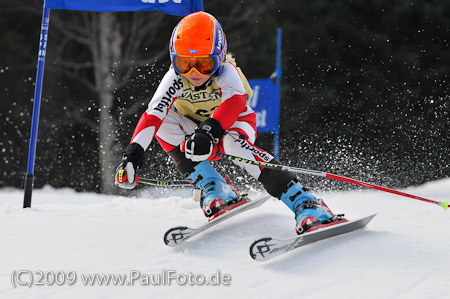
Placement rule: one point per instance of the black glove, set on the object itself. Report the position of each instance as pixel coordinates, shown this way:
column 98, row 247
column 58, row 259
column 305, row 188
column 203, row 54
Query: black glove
column 132, row 160
column 199, row 146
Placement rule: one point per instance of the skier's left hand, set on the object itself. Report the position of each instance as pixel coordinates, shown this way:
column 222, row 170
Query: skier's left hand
column 198, row 147
column 201, row 145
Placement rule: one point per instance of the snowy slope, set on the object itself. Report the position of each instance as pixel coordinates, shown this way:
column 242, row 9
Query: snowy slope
column 403, row 253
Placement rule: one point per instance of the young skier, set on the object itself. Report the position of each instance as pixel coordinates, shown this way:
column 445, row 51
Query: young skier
column 199, row 108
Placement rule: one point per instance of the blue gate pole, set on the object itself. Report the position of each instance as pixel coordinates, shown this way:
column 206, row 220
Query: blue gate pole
column 29, row 178
column 278, row 72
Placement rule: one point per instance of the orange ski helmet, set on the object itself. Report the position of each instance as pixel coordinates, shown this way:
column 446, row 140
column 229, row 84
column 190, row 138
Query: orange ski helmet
column 199, row 42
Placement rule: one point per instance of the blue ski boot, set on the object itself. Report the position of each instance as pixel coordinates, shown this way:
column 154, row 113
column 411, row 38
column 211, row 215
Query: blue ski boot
column 309, row 212
column 217, row 194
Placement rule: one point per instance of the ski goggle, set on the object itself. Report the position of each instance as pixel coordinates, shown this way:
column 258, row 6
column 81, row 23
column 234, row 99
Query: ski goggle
column 203, row 65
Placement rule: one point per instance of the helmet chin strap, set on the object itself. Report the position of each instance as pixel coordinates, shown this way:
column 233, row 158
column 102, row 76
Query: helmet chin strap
column 207, row 82
column 219, row 70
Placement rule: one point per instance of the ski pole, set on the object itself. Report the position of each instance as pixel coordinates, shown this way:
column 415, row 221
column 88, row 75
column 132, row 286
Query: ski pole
column 172, row 183
column 196, row 192
column 443, row 204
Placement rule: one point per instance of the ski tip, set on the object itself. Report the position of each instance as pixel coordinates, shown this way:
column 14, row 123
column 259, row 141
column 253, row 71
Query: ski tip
column 252, row 248
column 444, row 204
column 173, row 242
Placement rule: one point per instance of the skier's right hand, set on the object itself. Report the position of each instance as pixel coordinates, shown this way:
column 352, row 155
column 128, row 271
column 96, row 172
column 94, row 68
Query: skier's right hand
column 132, row 159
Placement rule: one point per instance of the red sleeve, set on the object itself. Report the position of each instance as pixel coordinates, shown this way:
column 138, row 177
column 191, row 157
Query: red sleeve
column 228, row 112
column 146, row 129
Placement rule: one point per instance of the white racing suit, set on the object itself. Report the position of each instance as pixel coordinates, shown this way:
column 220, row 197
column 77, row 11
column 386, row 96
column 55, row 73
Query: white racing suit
column 177, row 107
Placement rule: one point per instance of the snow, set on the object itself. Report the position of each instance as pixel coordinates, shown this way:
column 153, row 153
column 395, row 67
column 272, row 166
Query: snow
column 403, row 253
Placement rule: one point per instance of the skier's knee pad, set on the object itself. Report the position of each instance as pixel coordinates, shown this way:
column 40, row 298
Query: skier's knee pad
column 183, row 165
column 275, row 181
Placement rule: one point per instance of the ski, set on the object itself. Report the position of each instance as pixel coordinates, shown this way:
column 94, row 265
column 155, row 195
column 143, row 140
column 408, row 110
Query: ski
column 267, row 248
column 179, row 234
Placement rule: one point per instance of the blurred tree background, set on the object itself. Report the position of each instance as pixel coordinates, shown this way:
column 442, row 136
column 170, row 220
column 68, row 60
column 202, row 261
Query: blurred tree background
column 365, row 88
